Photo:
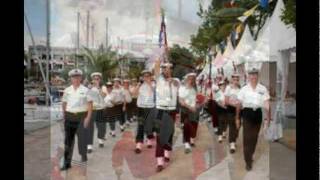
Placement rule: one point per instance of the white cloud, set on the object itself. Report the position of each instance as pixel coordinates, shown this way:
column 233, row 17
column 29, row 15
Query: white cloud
column 126, row 18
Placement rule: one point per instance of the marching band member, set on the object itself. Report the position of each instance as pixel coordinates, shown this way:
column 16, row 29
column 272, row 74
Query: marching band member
column 109, row 112
column 189, row 110
column 221, row 110
column 145, row 103
column 132, row 112
column 77, row 109
column 120, row 106
column 253, row 98
column 166, row 104
column 231, row 93
column 97, row 113
column 127, row 98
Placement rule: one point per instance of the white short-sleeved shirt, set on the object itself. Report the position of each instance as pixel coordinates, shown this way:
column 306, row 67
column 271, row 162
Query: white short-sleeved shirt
column 127, row 95
column 98, row 102
column 146, row 96
column 253, row 98
column 119, row 96
column 189, row 95
column 220, row 96
column 232, row 93
column 108, row 99
column 166, row 96
column 77, row 100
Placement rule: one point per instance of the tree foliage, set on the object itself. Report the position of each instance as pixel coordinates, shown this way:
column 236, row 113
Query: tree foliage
column 104, row 61
column 289, row 13
column 221, row 18
column 182, row 59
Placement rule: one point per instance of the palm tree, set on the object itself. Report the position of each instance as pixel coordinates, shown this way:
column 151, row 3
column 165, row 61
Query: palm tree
column 102, row 61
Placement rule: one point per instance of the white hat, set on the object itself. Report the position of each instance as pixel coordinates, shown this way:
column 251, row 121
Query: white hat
column 146, row 71
column 117, row 79
column 221, row 82
column 235, row 75
column 126, row 80
column 109, row 83
column 253, row 71
column 75, row 72
column 190, row 74
column 166, row 65
column 96, row 74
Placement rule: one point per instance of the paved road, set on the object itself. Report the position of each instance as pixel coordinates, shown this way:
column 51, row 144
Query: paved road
column 117, row 160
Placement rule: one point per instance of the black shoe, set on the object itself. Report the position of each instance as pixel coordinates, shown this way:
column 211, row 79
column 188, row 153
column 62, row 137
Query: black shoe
column 113, row 135
column 159, row 168
column 248, row 167
column 137, row 151
column 65, row 167
column 192, row 145
column 187, row 151
column 84, row 158
column 149, row 146
column 89, row 151
column 232, row 151
column 101, row 145
column 166, row 159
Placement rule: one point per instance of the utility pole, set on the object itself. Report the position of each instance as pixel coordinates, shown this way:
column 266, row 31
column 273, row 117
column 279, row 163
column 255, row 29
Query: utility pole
column 92, row 36
column 179, row 8
column 37, row 55
column 78, row 39
column 88, row 26
column 48, row 51
column 107, row 32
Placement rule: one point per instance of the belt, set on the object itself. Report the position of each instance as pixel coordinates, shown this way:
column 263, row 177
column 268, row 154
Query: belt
column 252, row 109
column 76, row 113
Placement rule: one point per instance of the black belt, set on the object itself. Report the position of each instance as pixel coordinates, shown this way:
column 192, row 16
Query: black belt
column 76, row 114
column 252, row 109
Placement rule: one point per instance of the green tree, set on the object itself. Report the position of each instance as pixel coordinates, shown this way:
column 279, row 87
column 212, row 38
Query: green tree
column 221, row 18
column 182, row 59
column 104, row 61
column 289, row 13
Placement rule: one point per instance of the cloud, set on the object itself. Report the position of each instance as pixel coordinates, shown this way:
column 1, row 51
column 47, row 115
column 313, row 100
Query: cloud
column 126, row 18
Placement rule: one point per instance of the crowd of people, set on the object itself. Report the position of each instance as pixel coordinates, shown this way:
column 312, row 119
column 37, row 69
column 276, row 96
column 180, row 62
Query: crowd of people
column 156, row 101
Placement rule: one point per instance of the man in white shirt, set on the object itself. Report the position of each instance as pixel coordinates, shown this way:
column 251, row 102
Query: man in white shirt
column 145, row 103
column 97, row 114
column 77, row 109
column 166, row 103
column 253, row 98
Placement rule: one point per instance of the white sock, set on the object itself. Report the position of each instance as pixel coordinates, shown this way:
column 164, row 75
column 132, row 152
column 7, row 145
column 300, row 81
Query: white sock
column 187, row 145
column 100, row 141
column 232, row 145
column 192, row 140
column 160, row 161
column 149, row 142
column 138, row 146
column 90, row 147
column 167, row 154
column 220, row 138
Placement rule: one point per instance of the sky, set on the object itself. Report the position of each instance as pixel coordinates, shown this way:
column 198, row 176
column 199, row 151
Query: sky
column 128, row 19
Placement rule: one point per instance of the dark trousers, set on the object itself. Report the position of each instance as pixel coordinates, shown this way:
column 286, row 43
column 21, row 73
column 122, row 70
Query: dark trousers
column 212, row 105
column 74, row 125
column 160, row 149
column 251, row 126
column 90, row 129
column 231, row 121
column 142, row 118
column 222, row 118
column 189, row 128
column 100, row 124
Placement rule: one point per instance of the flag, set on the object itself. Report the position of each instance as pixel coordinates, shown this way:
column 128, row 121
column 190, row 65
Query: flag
column 250, row 11
column 162, row 34
column 264, row 3
column 247, row 13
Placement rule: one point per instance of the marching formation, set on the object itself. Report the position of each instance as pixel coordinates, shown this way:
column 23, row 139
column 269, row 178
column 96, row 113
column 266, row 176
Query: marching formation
column 156, row 101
